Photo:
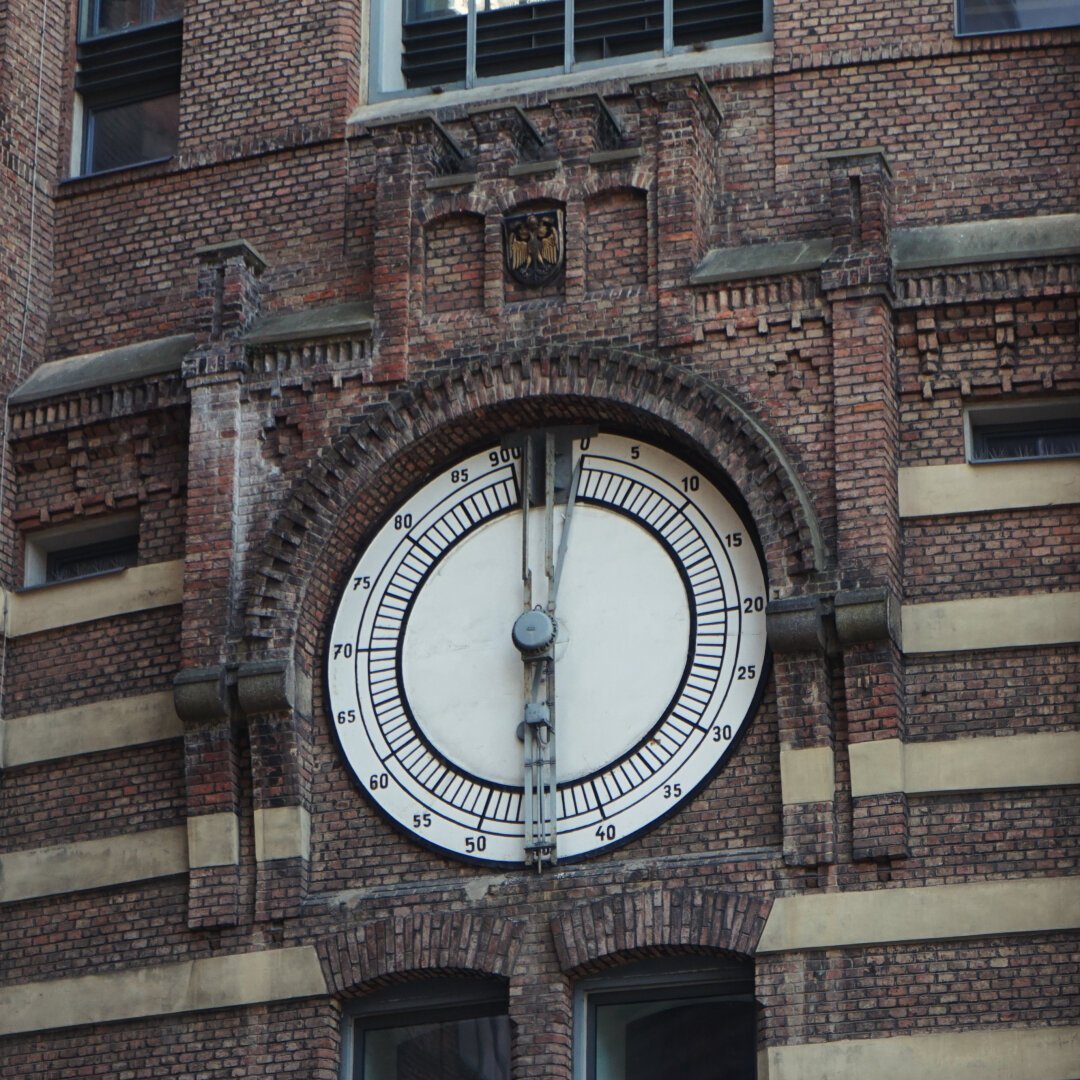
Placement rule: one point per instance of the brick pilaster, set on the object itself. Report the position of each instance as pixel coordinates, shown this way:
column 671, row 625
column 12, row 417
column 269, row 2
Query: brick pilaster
column 858, row 279
column 227, row 300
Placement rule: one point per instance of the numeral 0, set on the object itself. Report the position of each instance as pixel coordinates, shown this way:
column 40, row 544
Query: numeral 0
column 503, row 456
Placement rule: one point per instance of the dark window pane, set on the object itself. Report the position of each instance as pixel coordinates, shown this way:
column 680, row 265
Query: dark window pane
column 1019, row 442
column 88, row 559
column 128, row 134
column 605, row 28
column 473, row 1049
column 677, row 1038
column 109, row 16
column 700, row 21
column 990, row 16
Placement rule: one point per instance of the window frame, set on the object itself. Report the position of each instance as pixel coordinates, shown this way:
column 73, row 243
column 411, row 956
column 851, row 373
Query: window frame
column 386, row 21
column 123, row 67
column 961, row 31
column 430, row 1000
column 668, row 977
column 987, row 416
column 119, row 529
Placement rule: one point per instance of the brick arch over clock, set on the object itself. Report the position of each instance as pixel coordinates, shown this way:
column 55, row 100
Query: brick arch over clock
column 364, row 472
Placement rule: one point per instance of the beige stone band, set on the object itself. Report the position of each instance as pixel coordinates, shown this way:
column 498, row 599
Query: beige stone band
column 136, row 589
column 930, row 913
column 93, row 864
column 931, row 490
column 991, row 622
column 213, row 840
column 1049, row 759
column 282, row 832
column 807, row 775
column 989, row 1053
column 88, row 729
column 217, row 982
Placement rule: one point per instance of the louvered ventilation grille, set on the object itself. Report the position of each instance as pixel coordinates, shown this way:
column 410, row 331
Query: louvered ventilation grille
column 529, row 37
column 434, row 51
column 706, row 20
column 111, row 68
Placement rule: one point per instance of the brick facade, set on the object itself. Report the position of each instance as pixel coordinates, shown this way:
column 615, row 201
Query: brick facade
column 352, row 327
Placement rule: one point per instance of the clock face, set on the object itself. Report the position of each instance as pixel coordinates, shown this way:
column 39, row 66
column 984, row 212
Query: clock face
column 611, row 633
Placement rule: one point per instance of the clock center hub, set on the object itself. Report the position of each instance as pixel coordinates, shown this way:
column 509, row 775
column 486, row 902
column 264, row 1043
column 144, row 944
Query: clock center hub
column 533, row 632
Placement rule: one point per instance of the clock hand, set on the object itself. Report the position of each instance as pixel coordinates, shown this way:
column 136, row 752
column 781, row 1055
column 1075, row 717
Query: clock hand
column 526, row 481
column 534, row 636
column 571, row 502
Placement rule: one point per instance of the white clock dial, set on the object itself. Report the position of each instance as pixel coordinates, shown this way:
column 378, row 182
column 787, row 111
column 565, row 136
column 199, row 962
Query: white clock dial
column 658, row 659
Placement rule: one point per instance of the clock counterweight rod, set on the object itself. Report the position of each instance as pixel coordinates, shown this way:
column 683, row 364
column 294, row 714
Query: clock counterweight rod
column 540, row 787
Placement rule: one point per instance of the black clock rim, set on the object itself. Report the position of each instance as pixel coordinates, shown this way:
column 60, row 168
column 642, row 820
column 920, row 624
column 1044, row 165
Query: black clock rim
column 684, row 449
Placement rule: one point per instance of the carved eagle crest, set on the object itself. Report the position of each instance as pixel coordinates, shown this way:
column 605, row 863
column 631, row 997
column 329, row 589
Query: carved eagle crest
column 533, row 245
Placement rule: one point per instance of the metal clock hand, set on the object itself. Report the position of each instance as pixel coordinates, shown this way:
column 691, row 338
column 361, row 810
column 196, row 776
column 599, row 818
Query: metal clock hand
column 534, row 636
column 564, row 539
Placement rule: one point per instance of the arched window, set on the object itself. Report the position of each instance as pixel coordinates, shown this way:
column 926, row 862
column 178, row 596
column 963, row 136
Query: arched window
column 689, row 1017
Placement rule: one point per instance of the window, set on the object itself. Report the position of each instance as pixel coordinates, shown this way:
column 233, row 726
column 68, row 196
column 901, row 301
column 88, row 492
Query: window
column 452, row 43
column 81, row 550
column 1023, row 432
column 128, row 82
column 1001, row 16
column 690, row 1018
column 439, row 1029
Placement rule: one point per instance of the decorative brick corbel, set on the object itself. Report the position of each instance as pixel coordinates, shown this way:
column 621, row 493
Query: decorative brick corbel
column 203, row 702
column 588, row 128
column 277, row 706
column 866, row 615
column 510, row 140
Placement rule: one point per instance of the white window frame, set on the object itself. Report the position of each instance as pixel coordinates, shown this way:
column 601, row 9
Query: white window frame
column 39, row 545
column 385, row 80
